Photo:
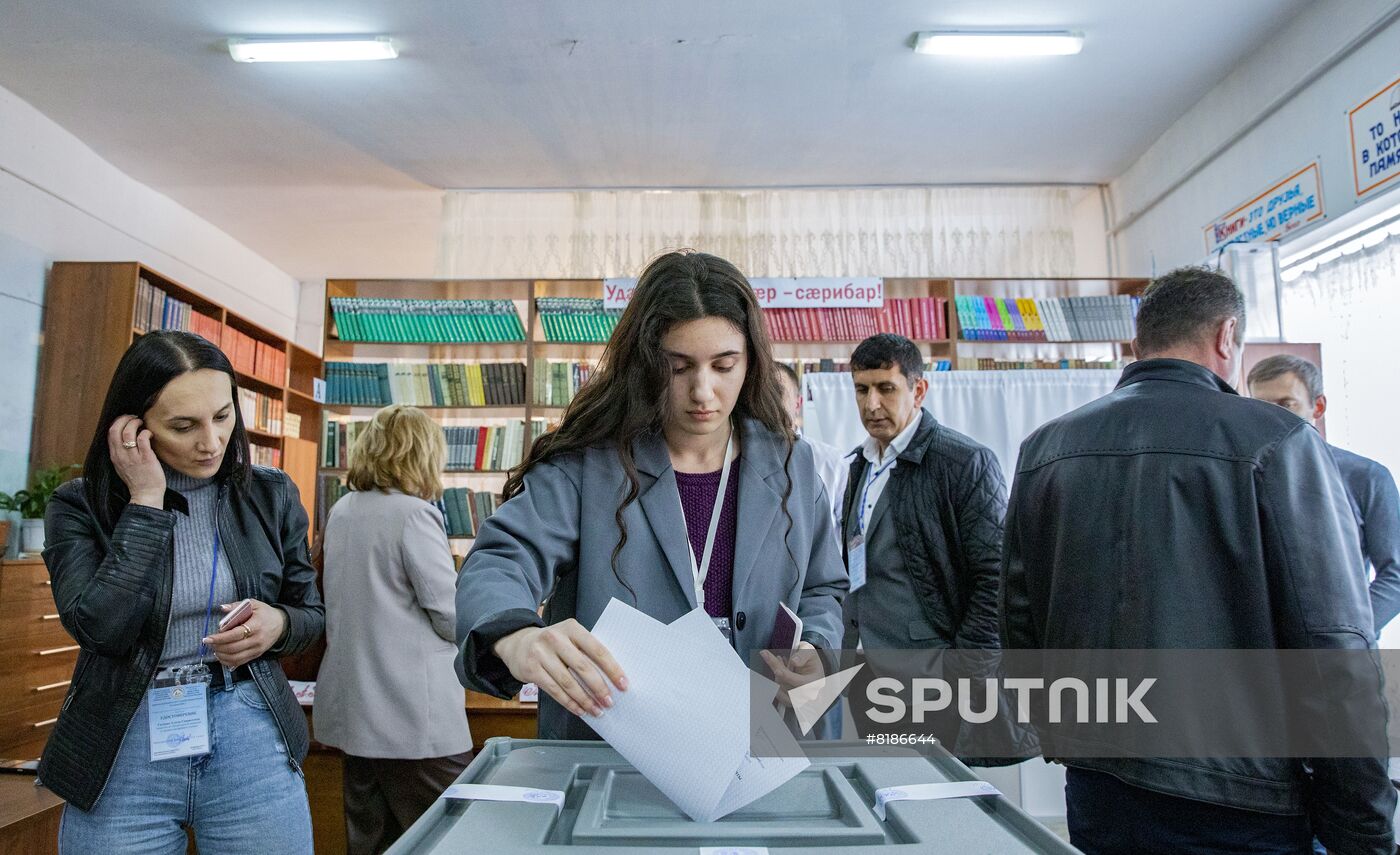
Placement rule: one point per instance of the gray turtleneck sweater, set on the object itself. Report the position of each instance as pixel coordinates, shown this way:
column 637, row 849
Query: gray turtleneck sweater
column 194, row 552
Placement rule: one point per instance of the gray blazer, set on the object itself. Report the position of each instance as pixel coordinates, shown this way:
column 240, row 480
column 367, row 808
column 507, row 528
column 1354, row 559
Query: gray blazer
column 554, row 542
column 386, row 687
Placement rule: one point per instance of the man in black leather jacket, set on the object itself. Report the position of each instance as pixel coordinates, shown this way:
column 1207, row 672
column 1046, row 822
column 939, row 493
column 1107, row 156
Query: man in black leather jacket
column 1173, row 513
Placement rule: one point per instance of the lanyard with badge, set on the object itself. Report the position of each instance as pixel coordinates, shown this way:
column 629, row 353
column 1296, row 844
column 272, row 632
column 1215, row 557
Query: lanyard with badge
column 178, row 704
column 855, row 552
column 701, row 569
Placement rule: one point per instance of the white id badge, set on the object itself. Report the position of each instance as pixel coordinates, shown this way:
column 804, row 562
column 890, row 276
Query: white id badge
column 179, row 719
column 855, row 562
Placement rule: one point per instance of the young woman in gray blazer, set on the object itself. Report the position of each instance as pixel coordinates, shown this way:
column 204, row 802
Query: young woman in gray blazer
column 681, row 432
column 385, row 694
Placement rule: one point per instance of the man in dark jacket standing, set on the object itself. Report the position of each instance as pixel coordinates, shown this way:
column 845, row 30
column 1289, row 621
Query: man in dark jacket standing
column 922, row 513
column 1173, row 513
column 1295, row 384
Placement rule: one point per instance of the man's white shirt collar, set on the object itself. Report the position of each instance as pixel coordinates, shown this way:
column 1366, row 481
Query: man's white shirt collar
column 871, row 448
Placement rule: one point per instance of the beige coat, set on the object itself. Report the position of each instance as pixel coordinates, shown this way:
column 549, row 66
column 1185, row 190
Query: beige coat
column 387, row 686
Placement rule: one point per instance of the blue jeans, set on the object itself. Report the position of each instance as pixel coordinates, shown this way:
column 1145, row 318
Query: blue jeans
column 244, row 796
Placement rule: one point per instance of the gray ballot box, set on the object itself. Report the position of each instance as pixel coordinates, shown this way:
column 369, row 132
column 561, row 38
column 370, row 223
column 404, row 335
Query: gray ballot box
column 611, row 808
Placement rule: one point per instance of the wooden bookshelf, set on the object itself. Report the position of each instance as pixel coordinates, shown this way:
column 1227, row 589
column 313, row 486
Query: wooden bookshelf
column 960, row 348
column 524, row 292
column 90, row 321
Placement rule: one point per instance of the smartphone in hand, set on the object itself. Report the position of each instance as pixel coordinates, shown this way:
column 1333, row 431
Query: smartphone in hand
column 237, row 615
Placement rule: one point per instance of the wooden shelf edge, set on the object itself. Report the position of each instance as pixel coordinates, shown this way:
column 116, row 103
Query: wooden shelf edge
column 349, row 342
column 334, row 470
column 251, row 381
column 1076, row 341
column 431, row 408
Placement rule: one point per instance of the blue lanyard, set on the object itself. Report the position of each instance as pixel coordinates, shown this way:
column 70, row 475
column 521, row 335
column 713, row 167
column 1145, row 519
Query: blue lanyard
column 875, row 476
column 209, row 608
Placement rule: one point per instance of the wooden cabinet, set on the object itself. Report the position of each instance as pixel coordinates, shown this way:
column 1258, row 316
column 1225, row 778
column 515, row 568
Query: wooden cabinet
column 37, row 657
column 95, row 310
column 29, row 817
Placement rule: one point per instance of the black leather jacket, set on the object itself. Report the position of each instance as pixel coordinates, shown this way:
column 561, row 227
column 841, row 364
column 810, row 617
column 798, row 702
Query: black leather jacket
column 1127, row 514
column 113, row 596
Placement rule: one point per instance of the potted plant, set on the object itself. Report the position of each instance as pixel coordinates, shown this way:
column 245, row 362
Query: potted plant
column 32, row 503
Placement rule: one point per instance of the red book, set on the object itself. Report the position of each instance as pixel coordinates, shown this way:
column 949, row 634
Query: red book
column 480, row 447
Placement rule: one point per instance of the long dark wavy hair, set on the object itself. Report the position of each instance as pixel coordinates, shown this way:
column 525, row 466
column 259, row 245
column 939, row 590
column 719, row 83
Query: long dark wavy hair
column 145, row 369
column 627, row 396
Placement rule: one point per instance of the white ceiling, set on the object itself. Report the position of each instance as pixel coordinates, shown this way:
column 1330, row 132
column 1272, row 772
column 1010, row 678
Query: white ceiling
column 335, row 169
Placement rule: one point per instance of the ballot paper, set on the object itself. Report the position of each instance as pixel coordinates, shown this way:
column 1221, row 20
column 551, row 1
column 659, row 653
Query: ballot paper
column 684, row 721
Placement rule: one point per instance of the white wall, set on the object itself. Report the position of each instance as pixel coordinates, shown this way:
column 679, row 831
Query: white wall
column 1312, row 124
column 59, row 201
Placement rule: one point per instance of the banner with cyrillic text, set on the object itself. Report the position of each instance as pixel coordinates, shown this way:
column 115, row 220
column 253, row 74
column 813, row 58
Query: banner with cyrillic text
column 783, row 293
column 1286, row 205
column 1374, row 130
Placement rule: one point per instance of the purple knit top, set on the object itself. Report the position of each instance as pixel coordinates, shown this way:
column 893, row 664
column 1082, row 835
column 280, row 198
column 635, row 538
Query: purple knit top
column 698, row 491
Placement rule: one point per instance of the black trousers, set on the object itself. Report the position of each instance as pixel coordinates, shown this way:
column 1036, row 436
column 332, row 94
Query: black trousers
column 384, row 797
column 1109, row 817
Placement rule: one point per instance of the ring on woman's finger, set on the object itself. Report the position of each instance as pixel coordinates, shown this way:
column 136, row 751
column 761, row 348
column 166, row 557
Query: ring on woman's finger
column 130, row 443
column 246, row 631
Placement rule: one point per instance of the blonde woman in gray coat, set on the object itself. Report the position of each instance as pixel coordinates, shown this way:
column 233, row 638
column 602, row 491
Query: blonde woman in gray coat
column 386, row 693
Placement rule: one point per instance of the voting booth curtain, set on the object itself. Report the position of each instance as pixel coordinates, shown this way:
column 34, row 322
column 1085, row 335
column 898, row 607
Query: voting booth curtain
column 997, row 408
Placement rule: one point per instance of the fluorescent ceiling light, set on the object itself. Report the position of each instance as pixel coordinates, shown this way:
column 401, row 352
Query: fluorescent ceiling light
column 996, row 43
column 311, row 50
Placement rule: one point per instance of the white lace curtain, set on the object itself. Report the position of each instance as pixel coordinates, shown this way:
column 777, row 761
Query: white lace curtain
column 923, row 231
column 1352, row 306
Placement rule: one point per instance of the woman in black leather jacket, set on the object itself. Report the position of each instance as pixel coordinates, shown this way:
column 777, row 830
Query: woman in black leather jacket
column 172, row 720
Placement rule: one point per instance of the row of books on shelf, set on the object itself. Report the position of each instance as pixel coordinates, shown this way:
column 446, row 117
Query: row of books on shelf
column 1106, row 318
column 363, row 319
column 264, row 456
column 337, row 438
column 490, row 448
column 464, row 510
column 982, row 364
column 836, row 366
column 329, row 488
column 267, row 362
column 556, row 383
column 470, row 448
column 426, row 384
column 261, row 412
column 575, row 319
column 913, row 317
column 157, row 310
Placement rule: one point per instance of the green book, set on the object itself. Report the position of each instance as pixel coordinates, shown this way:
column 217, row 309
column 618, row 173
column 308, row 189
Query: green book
column 449, row 509
column 489, row 320
column 442, row 319
column 374, row 317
